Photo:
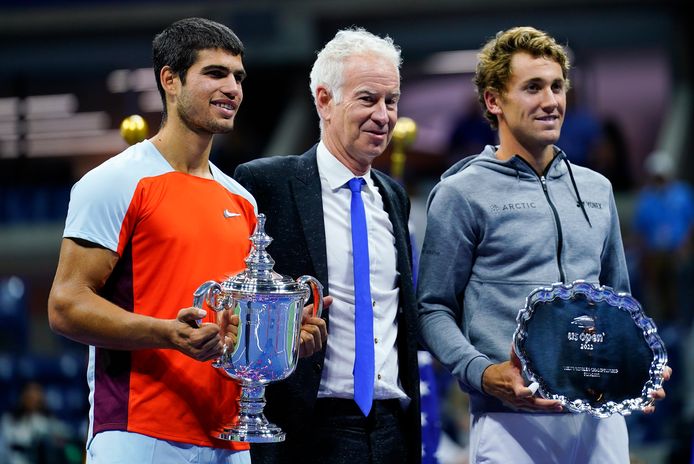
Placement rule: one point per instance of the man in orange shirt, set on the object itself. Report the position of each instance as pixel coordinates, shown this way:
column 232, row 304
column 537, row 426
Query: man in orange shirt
column 143, row 231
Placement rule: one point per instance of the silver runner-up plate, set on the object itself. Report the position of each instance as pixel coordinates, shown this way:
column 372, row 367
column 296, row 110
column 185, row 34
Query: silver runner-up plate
column 589, row 347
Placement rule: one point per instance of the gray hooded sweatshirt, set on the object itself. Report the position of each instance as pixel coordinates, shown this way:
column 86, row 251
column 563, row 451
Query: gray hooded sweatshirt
column 496, row 230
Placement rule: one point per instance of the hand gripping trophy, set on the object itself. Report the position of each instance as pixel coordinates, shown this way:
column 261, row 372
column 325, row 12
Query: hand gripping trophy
column 270, row 308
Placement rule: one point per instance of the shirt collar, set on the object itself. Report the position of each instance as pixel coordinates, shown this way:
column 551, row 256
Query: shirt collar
column 335, row 173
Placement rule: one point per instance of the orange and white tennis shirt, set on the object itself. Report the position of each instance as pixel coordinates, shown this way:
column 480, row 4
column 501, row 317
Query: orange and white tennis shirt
column 173, row 232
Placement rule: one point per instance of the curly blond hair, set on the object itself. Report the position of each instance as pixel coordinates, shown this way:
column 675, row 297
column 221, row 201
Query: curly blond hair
column 494, row 60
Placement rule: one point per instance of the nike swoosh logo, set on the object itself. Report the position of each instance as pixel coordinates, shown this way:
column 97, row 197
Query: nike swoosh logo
column 229, row 214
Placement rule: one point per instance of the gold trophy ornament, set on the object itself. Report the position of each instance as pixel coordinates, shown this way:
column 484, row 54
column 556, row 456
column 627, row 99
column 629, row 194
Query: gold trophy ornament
column 134, row 129
column 404, row 134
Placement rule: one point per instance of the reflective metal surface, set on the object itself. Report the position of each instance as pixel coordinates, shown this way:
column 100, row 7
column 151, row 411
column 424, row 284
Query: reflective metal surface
column 590, row 348
column 270, row 308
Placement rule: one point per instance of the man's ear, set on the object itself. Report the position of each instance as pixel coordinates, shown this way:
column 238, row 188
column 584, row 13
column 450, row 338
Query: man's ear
column 324, row 102
column 169, row 80
column 492, row 101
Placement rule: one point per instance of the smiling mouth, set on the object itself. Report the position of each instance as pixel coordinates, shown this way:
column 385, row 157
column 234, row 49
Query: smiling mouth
column 226, row 106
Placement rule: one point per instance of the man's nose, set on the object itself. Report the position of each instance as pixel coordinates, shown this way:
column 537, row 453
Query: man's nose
column 231, row 86
column 549, row 99
column 380, row 113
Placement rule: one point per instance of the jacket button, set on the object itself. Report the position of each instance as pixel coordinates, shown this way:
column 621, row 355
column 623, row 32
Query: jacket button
column 317, row 367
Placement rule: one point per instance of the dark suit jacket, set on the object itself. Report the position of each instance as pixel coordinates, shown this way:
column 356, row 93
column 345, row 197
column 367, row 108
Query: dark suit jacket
column 288, row 191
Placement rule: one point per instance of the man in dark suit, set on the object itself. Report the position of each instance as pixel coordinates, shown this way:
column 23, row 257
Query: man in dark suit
column 329, row 413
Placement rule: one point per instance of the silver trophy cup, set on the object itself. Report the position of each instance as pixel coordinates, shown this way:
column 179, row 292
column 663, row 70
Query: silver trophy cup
column 270, row 308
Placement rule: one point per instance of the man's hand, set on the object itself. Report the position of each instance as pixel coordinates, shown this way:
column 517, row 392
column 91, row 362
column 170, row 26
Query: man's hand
column 660, row 393
column 202, row 343
column 314, row 332
column 230, row 328
column 504, row 381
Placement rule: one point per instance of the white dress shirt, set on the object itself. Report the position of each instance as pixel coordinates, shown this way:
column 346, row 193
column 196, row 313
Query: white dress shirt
column 337, row 380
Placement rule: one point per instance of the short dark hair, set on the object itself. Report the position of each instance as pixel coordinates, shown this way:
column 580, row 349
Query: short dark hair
column 177, row 46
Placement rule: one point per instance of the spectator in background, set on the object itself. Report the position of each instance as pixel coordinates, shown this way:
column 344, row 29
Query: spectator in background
column 664, row 225
column 471, row 132
column 611, row 158
column 664, row 228
column 30, row 433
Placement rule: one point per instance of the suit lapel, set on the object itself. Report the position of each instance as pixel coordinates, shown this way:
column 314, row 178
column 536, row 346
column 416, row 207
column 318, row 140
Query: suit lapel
column 306, row 189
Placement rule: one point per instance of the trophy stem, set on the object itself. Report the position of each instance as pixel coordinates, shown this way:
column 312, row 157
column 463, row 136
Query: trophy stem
column 251, row 425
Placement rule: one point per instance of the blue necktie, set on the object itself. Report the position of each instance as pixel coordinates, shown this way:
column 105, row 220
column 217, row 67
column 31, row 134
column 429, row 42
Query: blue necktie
column 363, row 317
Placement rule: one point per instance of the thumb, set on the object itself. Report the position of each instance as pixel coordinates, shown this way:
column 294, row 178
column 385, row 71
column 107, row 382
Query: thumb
column 191, row 314
column 515, row 360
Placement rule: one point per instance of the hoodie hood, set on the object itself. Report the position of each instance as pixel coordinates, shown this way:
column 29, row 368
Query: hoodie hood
column 515, row 166
column 518, row 167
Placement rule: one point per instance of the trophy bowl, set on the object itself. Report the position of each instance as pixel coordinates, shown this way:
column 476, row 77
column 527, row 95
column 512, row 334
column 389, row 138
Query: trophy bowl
column 270, row 308
column 591, row 348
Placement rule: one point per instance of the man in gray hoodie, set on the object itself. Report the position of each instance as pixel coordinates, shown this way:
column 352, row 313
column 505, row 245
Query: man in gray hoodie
column 501, row 223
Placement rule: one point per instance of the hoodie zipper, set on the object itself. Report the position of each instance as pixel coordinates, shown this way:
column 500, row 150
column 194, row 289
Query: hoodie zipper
column 557, row 221
column 560, row 237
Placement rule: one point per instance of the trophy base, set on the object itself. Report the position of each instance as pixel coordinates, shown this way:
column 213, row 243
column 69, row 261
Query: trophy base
column 250, row 425
column 268, row 434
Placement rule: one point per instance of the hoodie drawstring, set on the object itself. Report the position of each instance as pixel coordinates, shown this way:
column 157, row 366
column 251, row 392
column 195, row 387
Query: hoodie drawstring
column 578, row 195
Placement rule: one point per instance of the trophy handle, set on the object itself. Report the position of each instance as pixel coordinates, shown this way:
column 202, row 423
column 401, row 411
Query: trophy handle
column 207, row 292
column 317, row 292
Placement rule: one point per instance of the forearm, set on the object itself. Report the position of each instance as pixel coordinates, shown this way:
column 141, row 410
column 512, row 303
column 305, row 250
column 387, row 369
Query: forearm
column 441, row 335
column 77, row 311
column 84, row 316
